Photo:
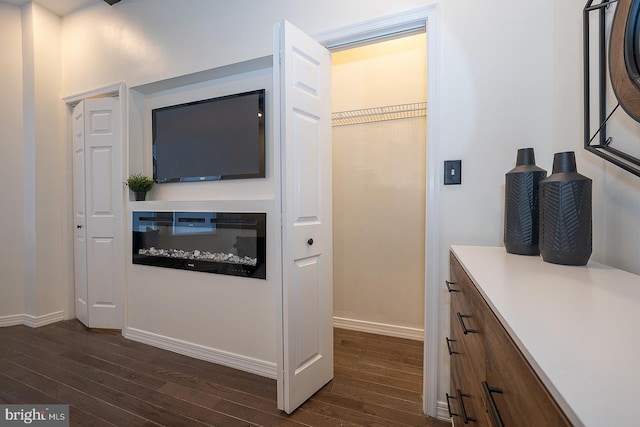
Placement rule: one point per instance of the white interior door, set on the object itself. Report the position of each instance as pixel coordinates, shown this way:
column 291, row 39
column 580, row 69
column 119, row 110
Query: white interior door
column 97, row 163
column 305, row 131
column 80, row 242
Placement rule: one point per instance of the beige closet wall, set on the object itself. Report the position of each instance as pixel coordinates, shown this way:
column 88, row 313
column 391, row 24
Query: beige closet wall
column 379, row 186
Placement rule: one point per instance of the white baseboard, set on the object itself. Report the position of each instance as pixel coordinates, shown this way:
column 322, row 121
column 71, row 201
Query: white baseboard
column 31, row 321
column 16, row 319
column 37, row 321
column 236, row 361
column 379, row 328
column 443, row 412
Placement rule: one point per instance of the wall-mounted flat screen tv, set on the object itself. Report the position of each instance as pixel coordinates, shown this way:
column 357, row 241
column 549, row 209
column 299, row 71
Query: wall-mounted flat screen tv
column 212, row 139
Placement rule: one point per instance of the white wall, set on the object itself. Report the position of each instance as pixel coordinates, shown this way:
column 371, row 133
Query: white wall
column 616, row 193
column 11, row 164
column 497, row 97
column 34, row 171
column 511, row 74
column 497, row 94
column 51, row 164
column 45, row 164
column 146, row 40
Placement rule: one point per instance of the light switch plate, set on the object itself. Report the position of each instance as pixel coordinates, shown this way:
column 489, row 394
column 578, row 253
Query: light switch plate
column 452, row 172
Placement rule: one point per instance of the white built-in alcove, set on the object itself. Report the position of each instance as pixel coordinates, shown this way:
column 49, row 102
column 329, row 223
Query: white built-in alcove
column 224, row 319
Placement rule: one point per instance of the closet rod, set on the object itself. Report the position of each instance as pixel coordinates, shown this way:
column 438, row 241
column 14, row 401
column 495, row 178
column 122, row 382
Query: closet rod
column 378, row 114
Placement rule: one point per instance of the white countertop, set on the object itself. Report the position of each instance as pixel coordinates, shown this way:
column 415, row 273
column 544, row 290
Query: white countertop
column 579, row 327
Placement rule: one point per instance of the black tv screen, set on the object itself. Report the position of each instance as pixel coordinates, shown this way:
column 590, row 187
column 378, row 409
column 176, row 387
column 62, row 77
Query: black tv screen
column 218, row 138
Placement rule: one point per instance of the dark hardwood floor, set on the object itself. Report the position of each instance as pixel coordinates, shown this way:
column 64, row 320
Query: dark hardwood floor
column 110, row 381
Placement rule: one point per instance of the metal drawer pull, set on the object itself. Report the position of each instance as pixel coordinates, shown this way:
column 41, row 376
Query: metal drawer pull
column 466, row 331
column 448, row 283
column 451, row 414
column 488, row 390
column 465, row 418
column 449, row 341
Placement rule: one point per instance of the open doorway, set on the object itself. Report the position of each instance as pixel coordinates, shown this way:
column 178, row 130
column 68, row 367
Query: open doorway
column 422, row 19
column 379, row 174
column 379, row 94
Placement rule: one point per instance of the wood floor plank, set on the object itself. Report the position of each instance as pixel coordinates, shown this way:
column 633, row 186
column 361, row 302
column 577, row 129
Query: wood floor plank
column 414, row 360
column 244, row 400
column 162, row 365
column 377, row 398
column 350, row 412
column 40, row 389
column 378, row 388
column 141, row 352
column 388, row 380
column 32, row 396
column 156, row 406
column 389, row 416
column 398, row 372
column 110, row 381
column 109, row 395
column 21, row 392
column 7, row 399
column 395, row 350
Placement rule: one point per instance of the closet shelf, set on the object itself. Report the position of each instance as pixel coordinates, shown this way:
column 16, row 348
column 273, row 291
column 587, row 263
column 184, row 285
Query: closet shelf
column 378, row 114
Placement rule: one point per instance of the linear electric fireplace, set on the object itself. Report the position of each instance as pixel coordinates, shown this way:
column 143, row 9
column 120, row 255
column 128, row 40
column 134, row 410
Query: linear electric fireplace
column 211, row 242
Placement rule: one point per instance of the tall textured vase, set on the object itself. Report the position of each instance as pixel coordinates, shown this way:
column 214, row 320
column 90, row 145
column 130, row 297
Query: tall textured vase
column 565, row 213
column 521, row 204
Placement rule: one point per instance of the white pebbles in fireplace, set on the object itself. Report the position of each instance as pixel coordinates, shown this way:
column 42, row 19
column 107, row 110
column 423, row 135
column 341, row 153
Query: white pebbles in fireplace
column 200, row 255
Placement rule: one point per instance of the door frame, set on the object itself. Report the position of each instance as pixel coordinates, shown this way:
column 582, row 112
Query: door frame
column 114, row 90
column 427, row 18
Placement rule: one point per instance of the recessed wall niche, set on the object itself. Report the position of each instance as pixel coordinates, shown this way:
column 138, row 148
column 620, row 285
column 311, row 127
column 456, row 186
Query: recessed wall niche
column 236, row 78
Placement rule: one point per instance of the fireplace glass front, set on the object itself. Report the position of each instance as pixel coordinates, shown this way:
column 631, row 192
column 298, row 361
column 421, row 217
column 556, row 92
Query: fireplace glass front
column 211, row 242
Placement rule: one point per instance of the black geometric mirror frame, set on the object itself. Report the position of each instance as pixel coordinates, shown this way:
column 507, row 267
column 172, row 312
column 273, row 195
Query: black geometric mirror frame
column 598, row 143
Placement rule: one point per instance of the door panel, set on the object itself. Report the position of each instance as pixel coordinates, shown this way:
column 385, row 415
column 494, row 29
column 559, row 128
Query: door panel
column 101, row 168
column 101, row 255
column 98, row 194
column 308, row 316
column 306, row 159
column 79, row 234
column 305, row 130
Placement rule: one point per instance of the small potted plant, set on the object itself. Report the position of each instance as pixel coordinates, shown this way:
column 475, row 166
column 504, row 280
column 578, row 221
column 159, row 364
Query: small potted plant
column 139, row 184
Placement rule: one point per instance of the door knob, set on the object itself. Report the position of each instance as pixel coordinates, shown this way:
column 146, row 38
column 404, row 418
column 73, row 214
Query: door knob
column 310, row 242
column 78, row 226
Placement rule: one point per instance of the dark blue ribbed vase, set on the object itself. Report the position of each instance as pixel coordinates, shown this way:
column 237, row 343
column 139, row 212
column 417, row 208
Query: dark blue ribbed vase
column 565, row 213
column 521, row 204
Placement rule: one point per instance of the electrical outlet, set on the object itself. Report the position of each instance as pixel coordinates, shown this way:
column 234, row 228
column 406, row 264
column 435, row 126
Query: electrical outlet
column 452, row 172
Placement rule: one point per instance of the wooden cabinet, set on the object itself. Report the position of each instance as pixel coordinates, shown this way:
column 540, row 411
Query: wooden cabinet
column 492, row 384
column 467, row 351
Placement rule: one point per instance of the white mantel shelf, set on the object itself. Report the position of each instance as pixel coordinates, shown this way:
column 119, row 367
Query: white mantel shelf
column 579, row 327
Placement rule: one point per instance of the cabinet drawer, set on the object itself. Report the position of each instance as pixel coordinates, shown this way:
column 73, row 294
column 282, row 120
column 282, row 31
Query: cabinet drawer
column 467, row 401
column 466, row 318
column 464, row 294
column 469, row 348
column 461, row 288
column 520, row 398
